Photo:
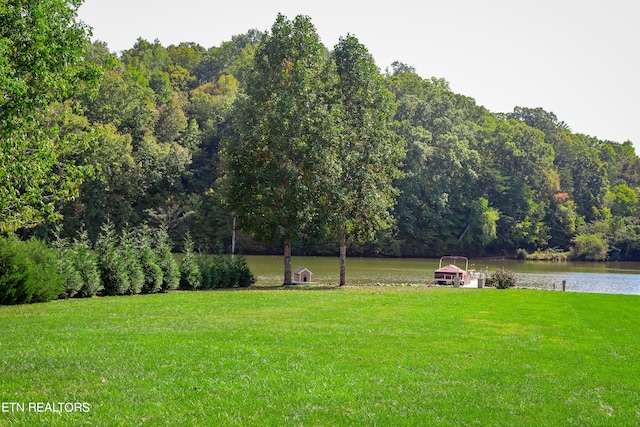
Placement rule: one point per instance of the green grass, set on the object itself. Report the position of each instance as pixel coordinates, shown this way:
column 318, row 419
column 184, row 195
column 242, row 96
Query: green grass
column 354, row 356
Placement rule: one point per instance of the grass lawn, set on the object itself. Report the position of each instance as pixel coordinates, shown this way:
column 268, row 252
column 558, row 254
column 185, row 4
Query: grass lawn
column 353, row 356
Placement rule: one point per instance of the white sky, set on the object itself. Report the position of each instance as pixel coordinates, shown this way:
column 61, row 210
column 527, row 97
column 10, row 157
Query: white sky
column 575, row 58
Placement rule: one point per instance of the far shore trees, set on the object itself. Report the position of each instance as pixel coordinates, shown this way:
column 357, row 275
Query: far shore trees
column 150, row 135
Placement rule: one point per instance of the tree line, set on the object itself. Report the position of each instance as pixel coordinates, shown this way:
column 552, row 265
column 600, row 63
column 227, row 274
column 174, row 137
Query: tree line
column 377, row 163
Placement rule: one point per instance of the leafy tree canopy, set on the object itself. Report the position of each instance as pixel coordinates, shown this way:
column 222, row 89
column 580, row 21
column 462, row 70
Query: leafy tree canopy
column 42, row 50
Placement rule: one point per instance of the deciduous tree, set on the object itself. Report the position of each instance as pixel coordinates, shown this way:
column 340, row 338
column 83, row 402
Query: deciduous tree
column 282, row 158
column 42, row 45
column 368, row 151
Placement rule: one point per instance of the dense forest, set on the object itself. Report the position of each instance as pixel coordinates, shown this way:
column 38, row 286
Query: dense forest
column 151, row 131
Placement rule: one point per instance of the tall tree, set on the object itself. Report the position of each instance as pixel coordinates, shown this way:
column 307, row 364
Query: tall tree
column 369, row 152
column 278, row 166
column 42, row 45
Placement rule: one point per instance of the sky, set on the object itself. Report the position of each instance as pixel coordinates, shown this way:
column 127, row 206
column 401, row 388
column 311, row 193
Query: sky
column 575, row 58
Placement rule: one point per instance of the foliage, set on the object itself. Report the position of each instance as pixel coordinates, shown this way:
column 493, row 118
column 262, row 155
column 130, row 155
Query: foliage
column 111, row 262
column 502, row 279
column 442, row 169
column 131, row 250
column 171, row 122
column 190, row 274
column 486, row 219
column 520, row 153
column 225, row 272
column 548, row 255
column 563, row 220
column 625, row 201
column 79, row 266
column 67, row 269
column 29, row 272
column 522, row 254
column 624, row 238
column 42, row 47
column 148, row 262
column 282, row 161
column 309, row 139
column 166, row 262
column 369, row 154
column 589, row 247
column 590, row 180
column 130, row 262
column 86, row 264
column 281, row 138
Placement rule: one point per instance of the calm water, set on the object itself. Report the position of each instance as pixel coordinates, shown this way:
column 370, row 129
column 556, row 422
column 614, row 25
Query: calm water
column 613, row 277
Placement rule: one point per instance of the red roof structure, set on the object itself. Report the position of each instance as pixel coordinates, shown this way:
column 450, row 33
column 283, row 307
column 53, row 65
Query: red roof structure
column 448, row 274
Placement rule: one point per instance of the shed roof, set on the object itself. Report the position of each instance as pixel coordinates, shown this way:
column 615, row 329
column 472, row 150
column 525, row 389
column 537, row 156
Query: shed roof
column 299, row 270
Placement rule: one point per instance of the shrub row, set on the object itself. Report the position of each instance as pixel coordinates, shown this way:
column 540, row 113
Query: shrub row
column 224, row 271
column 201, row 272
column 131, row 262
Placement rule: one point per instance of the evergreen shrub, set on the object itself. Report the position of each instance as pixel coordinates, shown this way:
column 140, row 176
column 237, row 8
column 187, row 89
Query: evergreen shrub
column 225, row 272
column 167, row 262
column 28, row 272
column 190, row 274
column 131, row 256
column 68, row 270
column 86, row 264
column 79, row 267
column 149, row 263
column 152, row 271
column 111, row 263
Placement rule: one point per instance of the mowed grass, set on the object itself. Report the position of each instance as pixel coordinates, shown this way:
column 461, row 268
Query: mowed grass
column 327, row 357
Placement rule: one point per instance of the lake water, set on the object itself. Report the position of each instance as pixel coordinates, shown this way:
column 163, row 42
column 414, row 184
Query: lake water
column 611, row 277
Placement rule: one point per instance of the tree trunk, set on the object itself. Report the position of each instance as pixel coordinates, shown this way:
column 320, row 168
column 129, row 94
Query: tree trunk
column 287, row 262
column 343, row 257
column 233, row 240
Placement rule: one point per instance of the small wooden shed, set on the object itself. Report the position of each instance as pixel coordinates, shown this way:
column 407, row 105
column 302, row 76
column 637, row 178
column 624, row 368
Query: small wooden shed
column 301, row 275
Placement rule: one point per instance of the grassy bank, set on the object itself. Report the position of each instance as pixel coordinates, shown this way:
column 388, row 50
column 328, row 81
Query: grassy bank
column 355, row 356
